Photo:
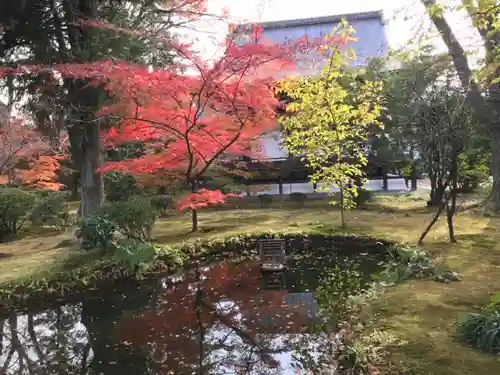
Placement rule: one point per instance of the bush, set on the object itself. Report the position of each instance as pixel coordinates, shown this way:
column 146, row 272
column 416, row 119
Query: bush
column 96, row 232
column 135, row 255
column 482, row 330
column 265, row 200
column 133, row 218
column 231, row 189
column 162, row 204
column 42, row 194
column 120, row 186
column 15, row 204
column 471, row 173
column 298, row 198
column 51, row 210
column 364, row 196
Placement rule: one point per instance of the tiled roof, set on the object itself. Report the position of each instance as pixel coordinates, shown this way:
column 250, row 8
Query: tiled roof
column 320, row 20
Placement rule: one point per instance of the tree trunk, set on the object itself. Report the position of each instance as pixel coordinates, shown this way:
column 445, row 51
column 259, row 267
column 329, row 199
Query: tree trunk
column 194, row 220
column 413, row 178
column 194, row 213
column 493, row 203
column 452, row 208
column 90, row 177
column 342, row 219
column 75, row 182
column 385, row 180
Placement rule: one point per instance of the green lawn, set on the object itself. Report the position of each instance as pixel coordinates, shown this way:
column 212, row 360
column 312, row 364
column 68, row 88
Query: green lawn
column 422, row 313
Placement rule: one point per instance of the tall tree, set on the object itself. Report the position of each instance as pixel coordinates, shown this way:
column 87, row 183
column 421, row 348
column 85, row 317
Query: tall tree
column 66, row 33
column 483, row 92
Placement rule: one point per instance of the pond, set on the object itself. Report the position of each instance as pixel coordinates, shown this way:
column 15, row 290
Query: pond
column 227, row 319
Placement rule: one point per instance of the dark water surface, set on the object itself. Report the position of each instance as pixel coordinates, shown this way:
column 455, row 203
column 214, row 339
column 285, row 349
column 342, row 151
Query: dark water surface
column 235, row 321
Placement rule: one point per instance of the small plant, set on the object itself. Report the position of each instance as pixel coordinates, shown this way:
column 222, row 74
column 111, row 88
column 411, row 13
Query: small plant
column 15, row 204
column 96, row 232
column 135, row 255
column 162, row 204
column 52, row 211
column 120, row 186
column 133, row 218
column 298, row 198
column 407, row 263
column 482, row 330
column 265, row 200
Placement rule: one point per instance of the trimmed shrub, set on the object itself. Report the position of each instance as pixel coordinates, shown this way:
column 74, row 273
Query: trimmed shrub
column 96, row 232
column 15, row 204
column 120, row 186
column 364, row 196
column 135, row 255
column 162, row 204
column 298, row 198
column 265, row 200
column 52, row 211
column 133, row 218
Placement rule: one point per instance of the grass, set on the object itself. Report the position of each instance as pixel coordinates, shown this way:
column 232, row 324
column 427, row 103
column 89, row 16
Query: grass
column 421, row 313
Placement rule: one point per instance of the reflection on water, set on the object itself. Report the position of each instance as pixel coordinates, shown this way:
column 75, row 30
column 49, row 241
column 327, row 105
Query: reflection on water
column 229, row 319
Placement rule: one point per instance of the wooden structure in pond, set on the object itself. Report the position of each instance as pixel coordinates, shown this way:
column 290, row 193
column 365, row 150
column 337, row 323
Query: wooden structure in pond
column 272, row 255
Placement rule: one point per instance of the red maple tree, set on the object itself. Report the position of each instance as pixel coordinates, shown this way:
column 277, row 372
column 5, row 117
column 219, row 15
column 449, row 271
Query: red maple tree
column 25, row 157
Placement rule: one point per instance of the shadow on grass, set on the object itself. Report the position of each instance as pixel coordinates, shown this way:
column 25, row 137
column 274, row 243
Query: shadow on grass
column 210, row 224
column 384, row 208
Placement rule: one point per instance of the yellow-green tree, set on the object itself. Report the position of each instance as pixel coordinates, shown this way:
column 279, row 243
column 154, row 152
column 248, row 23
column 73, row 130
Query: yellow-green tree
column 328, row 121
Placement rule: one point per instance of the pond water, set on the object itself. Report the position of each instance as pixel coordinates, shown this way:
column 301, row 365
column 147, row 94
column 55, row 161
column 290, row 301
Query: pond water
column 230, row 319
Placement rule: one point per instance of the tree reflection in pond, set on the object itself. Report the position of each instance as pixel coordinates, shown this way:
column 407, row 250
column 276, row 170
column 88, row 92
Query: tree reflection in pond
column 231, row 321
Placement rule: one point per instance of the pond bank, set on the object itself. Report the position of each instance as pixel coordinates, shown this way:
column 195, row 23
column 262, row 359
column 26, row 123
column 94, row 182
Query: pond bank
column 421, row 313
column 107, row 273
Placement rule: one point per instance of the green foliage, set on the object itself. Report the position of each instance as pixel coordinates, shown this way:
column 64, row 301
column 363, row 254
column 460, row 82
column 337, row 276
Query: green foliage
column 406, row 263
column 120, row 186
column 52, row 211
column 265, row 200
column 331, row 118
column 162, row 204
column 482, row 330
column 96, row 232
column 15, row 204
column 135, row 255
column 231, row 189
column 41, row 194
column 134, row 218
column 471, row 173
column 298, row 198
